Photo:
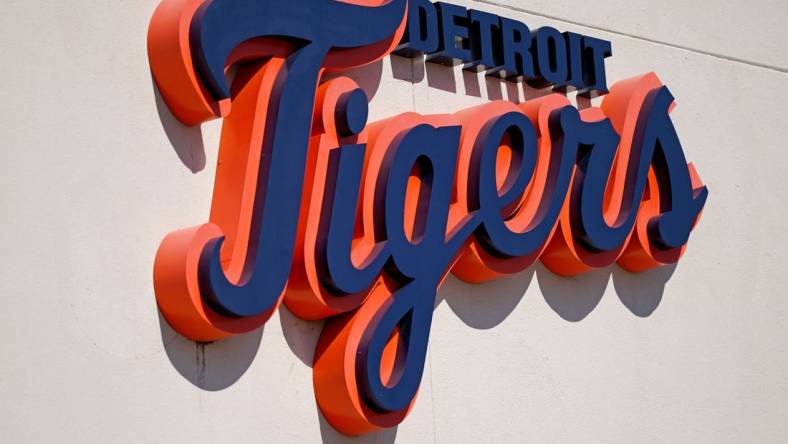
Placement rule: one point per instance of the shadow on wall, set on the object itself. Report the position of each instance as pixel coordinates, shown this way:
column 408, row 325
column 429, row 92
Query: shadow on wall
column 642, row 293
column 216, row 366
column 573, row 298
column 331, row 436
column 210, row 366
column 486, row 305
column 185, row 140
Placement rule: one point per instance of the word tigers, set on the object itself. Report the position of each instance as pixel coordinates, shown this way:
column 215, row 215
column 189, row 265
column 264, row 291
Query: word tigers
column 360, row 223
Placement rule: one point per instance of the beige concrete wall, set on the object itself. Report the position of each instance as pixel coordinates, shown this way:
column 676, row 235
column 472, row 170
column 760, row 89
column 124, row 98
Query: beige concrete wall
column 95, row 171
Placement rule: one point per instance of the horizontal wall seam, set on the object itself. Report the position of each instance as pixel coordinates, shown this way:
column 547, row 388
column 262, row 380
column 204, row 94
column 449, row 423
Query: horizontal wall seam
column 637, row 37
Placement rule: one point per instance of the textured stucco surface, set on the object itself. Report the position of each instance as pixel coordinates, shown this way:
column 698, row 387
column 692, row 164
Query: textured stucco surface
column 96, row 171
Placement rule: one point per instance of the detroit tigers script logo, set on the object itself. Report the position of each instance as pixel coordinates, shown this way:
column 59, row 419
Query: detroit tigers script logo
column 360, row 223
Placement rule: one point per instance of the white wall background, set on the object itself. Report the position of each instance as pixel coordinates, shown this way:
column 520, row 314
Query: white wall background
column 95, row 172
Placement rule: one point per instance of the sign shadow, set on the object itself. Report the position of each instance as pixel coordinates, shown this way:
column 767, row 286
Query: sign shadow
column 212, row 366
column 186, row 141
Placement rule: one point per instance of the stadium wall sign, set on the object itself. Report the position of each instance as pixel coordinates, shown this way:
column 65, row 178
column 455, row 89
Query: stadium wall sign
column 360, row 223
